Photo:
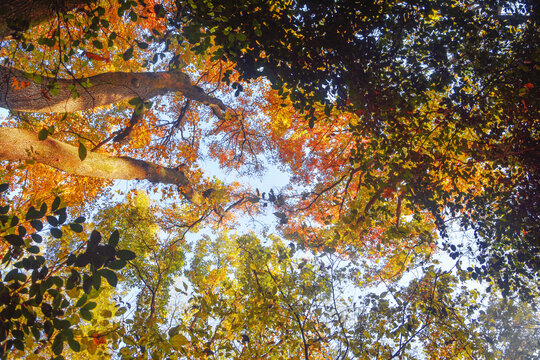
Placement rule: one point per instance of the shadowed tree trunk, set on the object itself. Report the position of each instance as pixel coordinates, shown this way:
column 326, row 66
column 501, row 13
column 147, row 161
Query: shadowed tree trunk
column 17, row 16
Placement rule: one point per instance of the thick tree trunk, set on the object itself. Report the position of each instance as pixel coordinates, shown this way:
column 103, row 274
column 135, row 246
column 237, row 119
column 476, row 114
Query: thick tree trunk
column 18, row 144
column 17, row 16
column 20, row 91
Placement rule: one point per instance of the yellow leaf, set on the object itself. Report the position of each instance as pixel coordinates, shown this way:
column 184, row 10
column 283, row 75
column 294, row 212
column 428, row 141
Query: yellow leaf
column 178, row 341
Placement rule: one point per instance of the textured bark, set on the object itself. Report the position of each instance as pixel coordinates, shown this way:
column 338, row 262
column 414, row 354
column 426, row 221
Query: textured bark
column 18, row 144
column 17, row 16
column 20, row 91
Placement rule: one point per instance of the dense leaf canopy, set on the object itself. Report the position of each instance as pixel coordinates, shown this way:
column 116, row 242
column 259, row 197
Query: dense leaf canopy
column 407, row 134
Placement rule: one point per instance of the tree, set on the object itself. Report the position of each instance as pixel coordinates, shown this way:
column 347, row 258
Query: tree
column 395, row 120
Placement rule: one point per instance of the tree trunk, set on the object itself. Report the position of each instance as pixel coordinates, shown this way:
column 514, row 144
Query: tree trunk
column 20, row 91
column 17, row 16
column 18, row 144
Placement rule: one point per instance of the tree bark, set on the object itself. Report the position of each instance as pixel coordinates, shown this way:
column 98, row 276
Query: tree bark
column 19, row 144
column 17, row 16
column 21, row 91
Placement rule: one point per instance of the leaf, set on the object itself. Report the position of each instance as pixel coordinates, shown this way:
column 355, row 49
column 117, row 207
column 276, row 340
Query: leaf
column 15, row 240
column 79, row 220
column 82, row 151
column 32, row 213
column 179, row 341
column 43, row 134
column 76, row 227
column 55, row 203
column 117, row 264
column 74, row 345
column 97, row 44
column 111, row 277
column 57, row 233
column 82, row 300
column 58, row 345
column 36, row 224
column 126, row 255
column 96, row 281
column 86, row 314
column 52, row 220
column 128, row 54
column 142, row 45
column 113, row 239
column 37, row 238
column 34, row 249
column 95, row 239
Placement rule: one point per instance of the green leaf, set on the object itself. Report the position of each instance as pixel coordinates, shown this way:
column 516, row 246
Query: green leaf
column 111, row 277
column 52, row 220
column 113, row 239
column 135, row 101
column 126, row 255
column 79, row 220
column 93, row 242
column 56, row 232
column 42, row 134
column 178, row 341
column 55, row 204
column 36, row 224
column 37, row 238
column 78, row 228
column 32, row 214
column 82, row 151
column 81, row 301
column 87, row 284
column 116, row 264
column 96, row 281
column 58, row 345
column 74, row 345
column 128, row 54
column 61, row 324
column 14, row 221
column 97, row 44
column 15, row 240
column 86, row 314
column 142, row 45
column 90, row 306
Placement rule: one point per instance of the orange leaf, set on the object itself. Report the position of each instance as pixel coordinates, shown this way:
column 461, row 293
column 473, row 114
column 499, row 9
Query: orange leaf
column 18, row 85
column 98, row 339
column 96, row 57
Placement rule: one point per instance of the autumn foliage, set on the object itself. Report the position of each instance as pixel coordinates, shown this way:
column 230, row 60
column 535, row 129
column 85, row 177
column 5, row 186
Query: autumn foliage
column 173, row 125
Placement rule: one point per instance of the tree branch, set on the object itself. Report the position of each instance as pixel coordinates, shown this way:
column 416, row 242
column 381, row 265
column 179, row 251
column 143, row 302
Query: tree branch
column 18, row 144
column 21, row 91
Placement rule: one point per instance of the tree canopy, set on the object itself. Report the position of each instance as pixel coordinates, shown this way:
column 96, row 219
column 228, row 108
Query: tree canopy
column 408, row 132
